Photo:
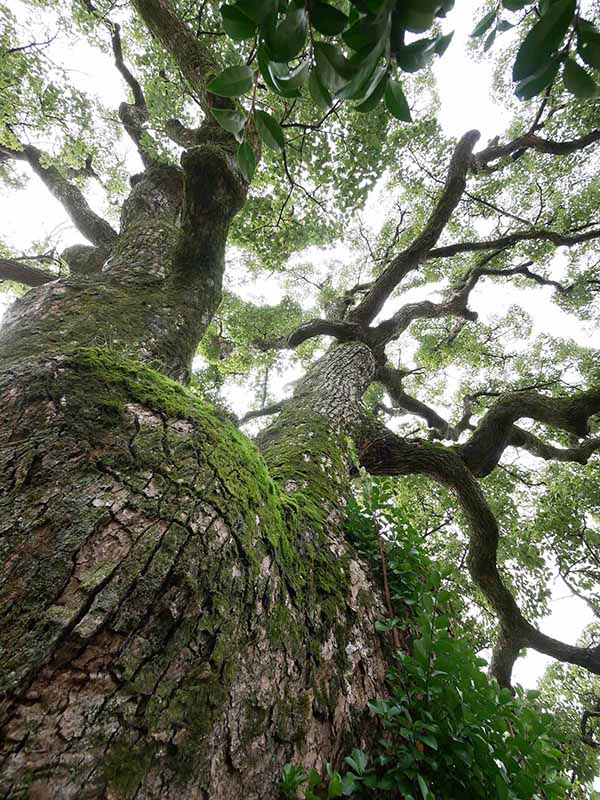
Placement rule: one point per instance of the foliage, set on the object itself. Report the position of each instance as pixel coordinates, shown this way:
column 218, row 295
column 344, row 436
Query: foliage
column 447, row 730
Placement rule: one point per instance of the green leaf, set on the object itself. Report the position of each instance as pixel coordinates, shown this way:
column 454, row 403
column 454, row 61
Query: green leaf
column 257, row 10
column 442, row 43
column 417, row 55
column 365, row 33
column 543, row 39
column 295, row 78
column 395, row 101
column 588, row 43
column 540, row 80
column 484, row 23
column 288, row 38
column 333, row 67
column 375, row 92
column 423, row 786
column 490, row 39
column 229, row 120
column 318, row 92
column 232, row 82
column 246, row 161
column 236, row 23
column 416, row 19
column 578, row 81
column 269, row 130
column 327, row 20
column 362, row 79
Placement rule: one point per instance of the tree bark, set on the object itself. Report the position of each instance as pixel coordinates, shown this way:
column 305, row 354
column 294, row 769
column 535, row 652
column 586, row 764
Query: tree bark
column 181, row 615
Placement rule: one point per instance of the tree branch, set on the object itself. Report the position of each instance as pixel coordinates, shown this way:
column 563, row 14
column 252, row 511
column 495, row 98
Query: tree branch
column 494, row 431
column 196, row 63
column 134, row 116
column 20, row 272
column 266, row 411
column 342, row 331
column 90, row 224
column 530, row 141
column 392, row 380
column 382, row 452
column 510, row 240
column 419, row 250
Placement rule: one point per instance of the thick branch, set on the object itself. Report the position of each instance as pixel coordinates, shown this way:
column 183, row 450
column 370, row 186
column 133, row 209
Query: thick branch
column 419, row 250
column 534, row 445
column 530, row 141
column 342, row 331
column 511, row 239
column 90, row 224
column 266, row 411
column 20, row 272
column 392, row 380
column 381, row 452
column 197, row 65
column 493, row 433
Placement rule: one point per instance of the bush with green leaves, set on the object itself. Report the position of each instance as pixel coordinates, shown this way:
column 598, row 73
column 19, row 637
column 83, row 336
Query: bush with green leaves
column 447, row 731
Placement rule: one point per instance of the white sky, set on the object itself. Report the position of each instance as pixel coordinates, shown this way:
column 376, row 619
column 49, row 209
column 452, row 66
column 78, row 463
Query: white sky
column 31, row 214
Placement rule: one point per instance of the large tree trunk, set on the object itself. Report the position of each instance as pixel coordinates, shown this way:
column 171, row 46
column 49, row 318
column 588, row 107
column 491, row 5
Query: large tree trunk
column 181, row 614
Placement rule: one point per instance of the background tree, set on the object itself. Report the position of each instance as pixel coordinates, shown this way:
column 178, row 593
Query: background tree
column 185, row 611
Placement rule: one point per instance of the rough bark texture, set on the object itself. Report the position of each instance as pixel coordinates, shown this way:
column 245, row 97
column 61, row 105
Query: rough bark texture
column 177, row 620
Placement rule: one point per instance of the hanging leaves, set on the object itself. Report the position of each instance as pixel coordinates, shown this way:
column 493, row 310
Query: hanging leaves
column 232, row 82
column 246, row 161
column 231, row 121
column 269, row 130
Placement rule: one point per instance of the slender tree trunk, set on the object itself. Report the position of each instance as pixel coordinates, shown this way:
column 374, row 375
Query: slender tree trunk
column 181, row 614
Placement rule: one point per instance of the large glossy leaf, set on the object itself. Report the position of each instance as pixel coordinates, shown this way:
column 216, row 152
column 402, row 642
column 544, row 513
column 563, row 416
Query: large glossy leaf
column 269, row 130
column 290, row 35
column 417, row 55
column 540, row 80
column 232, row 82
column 257, row 10
column 232, row 121
column 543, row 39
column 588, row 43
column 246, row 161
column 578, row 81
column 318, row 92
column 484, row 23
column 333, row 67
column 395, row 101
column 375, row 92
column 236, row 24
column 327, row 19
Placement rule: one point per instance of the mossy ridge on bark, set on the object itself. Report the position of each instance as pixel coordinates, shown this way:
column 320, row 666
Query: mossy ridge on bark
column 173, row 664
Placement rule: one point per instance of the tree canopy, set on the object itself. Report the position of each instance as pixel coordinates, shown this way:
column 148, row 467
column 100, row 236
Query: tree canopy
column 486, row 418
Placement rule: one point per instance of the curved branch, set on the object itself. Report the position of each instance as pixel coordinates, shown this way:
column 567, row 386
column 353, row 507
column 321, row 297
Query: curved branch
column 534, row 445
column 87, row 222
column 382, row 452
column 419, row 250
column 510, row 240
column 134, row 115
column 493, row 433
column 392, row 380
column 342, row 331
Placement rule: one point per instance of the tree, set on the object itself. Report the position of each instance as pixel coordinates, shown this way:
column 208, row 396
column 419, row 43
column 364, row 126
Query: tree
column 183, row 611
